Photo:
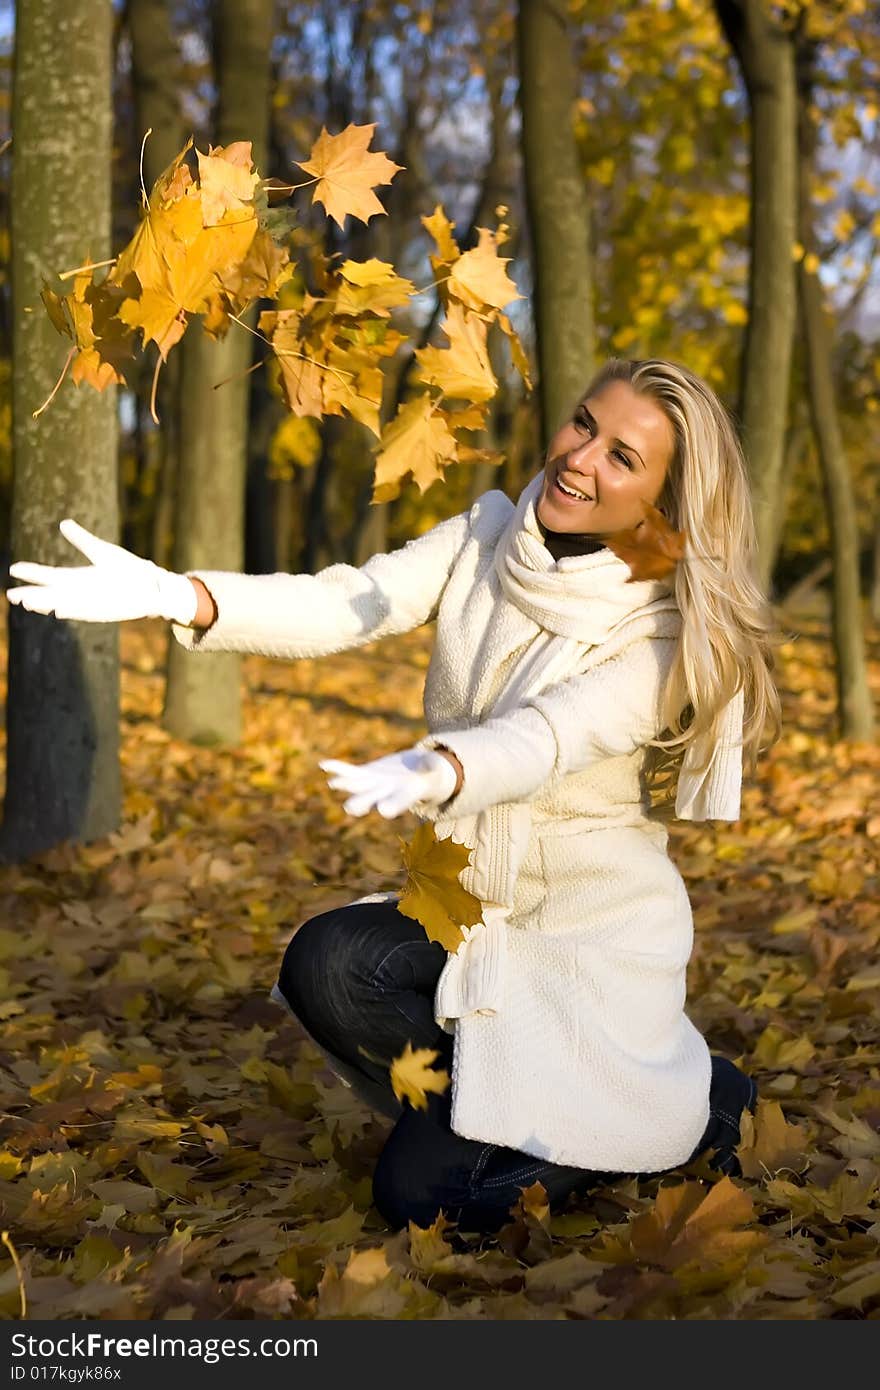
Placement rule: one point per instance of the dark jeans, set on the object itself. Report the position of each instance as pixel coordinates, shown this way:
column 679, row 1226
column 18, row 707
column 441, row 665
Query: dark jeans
column 361, row 980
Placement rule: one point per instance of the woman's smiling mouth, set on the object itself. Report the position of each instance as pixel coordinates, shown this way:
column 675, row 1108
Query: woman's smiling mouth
column 564, row 493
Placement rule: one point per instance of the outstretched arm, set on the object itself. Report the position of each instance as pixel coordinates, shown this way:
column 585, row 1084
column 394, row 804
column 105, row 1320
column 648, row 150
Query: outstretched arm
column 343, row 606
column 606, row 712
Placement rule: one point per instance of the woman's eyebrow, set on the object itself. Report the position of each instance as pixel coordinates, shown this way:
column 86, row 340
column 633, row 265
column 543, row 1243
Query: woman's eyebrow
column 619, row 442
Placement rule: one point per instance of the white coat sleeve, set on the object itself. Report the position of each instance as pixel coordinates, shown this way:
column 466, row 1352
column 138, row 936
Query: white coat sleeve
column 343, row 606
column 606, row 712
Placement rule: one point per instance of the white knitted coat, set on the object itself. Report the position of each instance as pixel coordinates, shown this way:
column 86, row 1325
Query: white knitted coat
column 584, row 1055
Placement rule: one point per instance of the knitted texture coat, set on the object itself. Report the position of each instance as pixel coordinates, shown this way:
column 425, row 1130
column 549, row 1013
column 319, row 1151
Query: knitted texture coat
column 571, row 1041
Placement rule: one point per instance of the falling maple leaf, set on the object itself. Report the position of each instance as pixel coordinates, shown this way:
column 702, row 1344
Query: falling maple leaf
column 347, row 173
column 462, row 370
column 441, row 229
column 479, row 277
column 372, row 286
column 433, row 894
column 652, row 549
column 412, row 1075
column 417, row 441
column 227, row 182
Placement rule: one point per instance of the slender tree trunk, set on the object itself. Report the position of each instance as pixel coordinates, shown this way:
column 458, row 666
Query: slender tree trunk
column 558, row 210
column 156, row 83
column 155, row 72
column 62, row 714
column 203, row 694
column 765, row 52
column 855, row 702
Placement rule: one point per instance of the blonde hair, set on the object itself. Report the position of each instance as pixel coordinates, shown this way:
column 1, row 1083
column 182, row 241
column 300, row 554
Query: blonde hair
column 729, row 627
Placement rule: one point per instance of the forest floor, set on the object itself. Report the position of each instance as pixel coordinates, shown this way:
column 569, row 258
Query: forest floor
column 171, row 1145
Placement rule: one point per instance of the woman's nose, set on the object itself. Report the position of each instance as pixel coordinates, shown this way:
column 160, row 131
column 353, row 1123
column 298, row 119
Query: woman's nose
column 582, row 454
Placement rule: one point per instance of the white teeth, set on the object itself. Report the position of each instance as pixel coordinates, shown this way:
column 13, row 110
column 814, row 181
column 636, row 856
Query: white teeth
column 571, row 492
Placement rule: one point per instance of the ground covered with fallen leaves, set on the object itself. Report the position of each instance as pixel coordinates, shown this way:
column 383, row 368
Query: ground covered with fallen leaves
column 172, row 1146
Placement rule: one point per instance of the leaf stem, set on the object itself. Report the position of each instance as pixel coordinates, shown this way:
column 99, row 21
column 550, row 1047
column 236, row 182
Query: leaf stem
column 92, row 265
column 147, row 133
column 7, row 1241
column 52, row 394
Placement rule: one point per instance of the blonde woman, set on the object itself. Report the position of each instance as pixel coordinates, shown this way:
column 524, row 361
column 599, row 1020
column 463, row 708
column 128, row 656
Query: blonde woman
column 561, row 691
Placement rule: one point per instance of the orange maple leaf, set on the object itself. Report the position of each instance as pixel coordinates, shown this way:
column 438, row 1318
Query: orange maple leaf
column 652, row 549
column 347, row 173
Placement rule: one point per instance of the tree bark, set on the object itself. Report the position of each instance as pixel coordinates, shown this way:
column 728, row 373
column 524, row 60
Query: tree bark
column 558, row 210
column 855, row 702
column 765, row 53
column 156, row 83
column 155, row 73
column 62, row 713
column 203, row 694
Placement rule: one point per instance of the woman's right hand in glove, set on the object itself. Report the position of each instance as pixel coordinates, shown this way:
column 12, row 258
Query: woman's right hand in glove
column 115, row 586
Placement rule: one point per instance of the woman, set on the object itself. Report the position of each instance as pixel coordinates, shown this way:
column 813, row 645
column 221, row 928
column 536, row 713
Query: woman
column 553, row 677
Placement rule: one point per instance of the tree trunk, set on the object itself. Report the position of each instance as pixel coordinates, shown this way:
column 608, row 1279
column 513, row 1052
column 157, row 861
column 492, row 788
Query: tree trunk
column 156, row 83
column 558, row 210
column 855, row 702
column 765, row 52
column 203, row 694
column 62, row 714
column 155, row 73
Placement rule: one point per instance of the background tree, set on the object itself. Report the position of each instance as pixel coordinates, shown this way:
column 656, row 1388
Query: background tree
column 855, row 700
column 203, row 698
column 763, row 42
column 156, row 78
column 558, row 211
column 62, row 713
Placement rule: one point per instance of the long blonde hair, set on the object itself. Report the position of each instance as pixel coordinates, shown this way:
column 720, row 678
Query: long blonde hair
column 729, row 627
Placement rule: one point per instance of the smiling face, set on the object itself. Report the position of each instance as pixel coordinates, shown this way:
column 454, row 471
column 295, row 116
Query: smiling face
column 617, row 451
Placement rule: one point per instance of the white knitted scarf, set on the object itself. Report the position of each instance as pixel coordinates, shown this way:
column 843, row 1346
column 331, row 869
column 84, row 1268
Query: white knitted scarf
column 580, row 601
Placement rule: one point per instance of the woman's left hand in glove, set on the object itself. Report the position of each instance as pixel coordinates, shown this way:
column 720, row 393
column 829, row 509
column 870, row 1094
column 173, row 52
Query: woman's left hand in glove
column 394, row 784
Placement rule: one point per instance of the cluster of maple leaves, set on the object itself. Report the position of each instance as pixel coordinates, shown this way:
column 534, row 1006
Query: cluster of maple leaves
column 172, row 1145
column 212, row 241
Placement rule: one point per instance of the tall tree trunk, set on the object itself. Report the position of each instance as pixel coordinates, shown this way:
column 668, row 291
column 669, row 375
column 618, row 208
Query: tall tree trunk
column 62, row 714
column 156, row 82
column 203, row 694
column 155, row 72
column 765, row 52
column 558, row 210
column 855, row 702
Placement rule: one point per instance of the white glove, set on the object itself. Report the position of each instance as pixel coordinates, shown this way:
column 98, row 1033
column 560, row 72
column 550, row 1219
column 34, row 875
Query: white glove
column 394, row 784
column 115, row 586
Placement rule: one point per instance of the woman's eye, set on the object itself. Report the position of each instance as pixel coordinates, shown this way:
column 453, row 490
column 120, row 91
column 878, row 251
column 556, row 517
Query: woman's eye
column 623, row 458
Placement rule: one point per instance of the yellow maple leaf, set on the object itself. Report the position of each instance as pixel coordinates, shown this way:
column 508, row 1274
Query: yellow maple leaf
column 347, row 173
column 353, row 383
column 441, row 229
column 176, row 260
column 301, row 375
column 463, row 369
column 518, row 354
column 433, row 893
column 371, row 286
column 417, row 441
column 412, row 1075
column 227, row 182
column 479, row 277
